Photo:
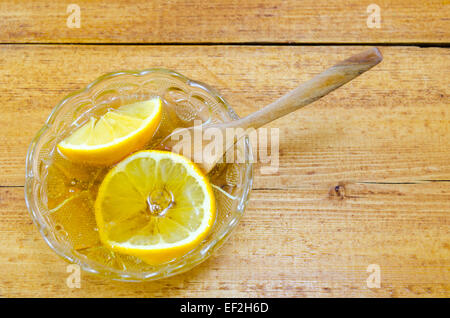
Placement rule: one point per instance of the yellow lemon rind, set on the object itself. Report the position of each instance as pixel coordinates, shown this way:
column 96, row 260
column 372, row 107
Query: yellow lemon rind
column 114, row 151
column 163, row 252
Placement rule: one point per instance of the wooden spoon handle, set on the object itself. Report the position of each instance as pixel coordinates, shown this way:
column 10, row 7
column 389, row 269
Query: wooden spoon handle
column 312, row 90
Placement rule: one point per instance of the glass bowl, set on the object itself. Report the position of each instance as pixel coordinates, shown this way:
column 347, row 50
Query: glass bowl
column 184, row 101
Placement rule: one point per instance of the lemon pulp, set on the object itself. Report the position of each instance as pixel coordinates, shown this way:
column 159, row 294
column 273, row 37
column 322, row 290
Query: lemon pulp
column 114, row 135
column 155, row 205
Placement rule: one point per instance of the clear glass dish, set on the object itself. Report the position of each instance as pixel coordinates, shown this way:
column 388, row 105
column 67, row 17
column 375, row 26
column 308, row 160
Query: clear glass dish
column 185, row 100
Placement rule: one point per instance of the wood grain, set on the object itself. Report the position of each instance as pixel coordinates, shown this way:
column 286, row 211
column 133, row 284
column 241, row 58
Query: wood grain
column 306, row 93
column 320, row 245
column 392, row 123
column 281, row 21
column 363, row 178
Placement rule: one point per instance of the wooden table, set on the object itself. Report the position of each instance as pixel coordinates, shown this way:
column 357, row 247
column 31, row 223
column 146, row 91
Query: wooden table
column 364, row 174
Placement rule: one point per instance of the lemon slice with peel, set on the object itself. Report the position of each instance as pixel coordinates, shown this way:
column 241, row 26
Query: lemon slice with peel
column 113, row 136
column 155, row 205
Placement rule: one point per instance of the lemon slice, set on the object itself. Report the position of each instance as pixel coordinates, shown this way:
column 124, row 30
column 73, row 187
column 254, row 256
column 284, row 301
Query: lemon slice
column 113, row 136
column 155, row 205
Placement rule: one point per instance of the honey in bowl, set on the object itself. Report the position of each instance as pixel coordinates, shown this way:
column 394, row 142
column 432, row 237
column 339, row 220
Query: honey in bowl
column 61, row 193
column 158, row 209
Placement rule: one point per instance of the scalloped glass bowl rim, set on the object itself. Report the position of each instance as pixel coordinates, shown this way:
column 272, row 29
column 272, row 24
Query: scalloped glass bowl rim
column 115, row 274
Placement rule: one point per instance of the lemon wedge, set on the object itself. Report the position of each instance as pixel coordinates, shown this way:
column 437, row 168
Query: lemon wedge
column 155, row 205
column 114, row 135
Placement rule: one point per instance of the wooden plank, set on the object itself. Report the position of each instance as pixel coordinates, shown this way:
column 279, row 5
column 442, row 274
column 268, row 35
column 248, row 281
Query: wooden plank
column 391, row 124
column 291, row 21
column 320, row 245
column 382, row 139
